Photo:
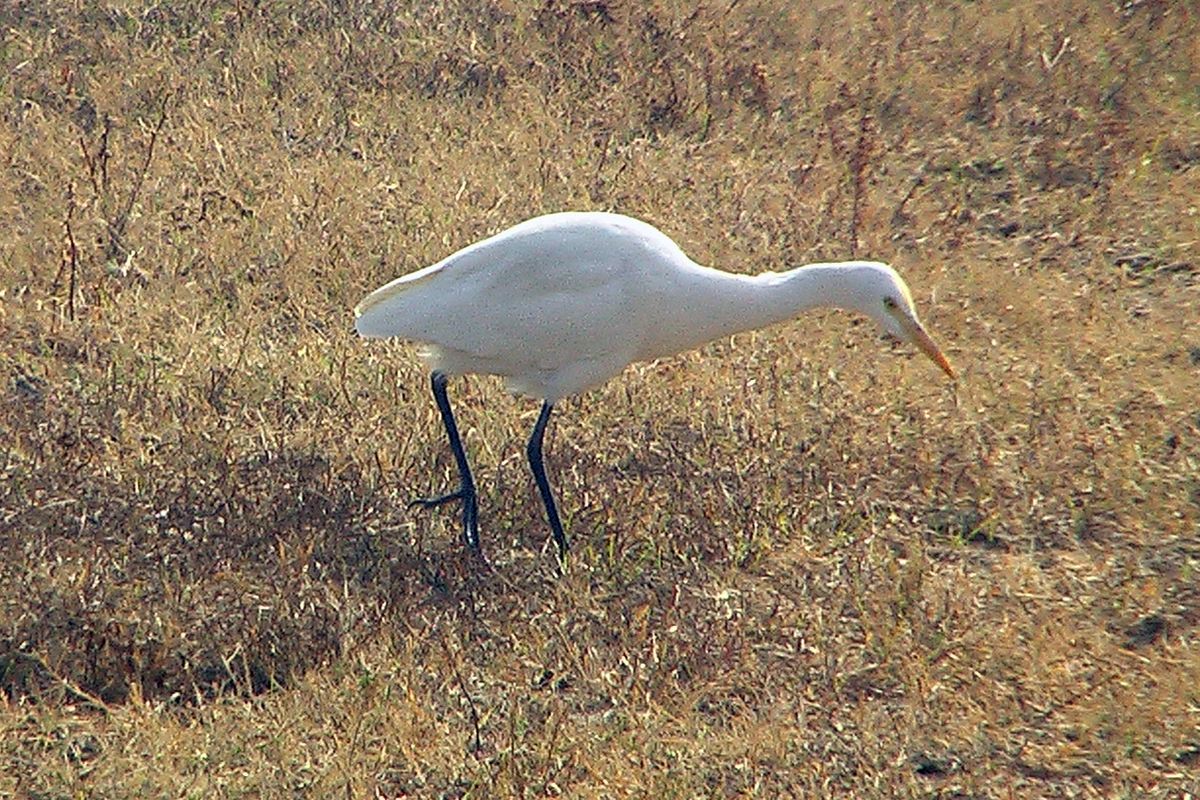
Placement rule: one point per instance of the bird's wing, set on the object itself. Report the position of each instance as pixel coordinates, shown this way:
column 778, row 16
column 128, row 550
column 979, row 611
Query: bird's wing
column 529, row 298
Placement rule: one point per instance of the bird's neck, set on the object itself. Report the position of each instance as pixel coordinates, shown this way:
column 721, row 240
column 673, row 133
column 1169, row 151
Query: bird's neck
column 718, row 304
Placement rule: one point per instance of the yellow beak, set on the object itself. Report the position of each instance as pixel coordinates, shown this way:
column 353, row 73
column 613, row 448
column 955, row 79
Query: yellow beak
column 917, row 335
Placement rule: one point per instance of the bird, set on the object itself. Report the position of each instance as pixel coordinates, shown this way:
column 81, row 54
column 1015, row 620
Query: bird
column 563, row 302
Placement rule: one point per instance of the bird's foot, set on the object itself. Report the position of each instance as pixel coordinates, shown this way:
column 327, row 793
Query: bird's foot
column 441, row 499
column 470, row 512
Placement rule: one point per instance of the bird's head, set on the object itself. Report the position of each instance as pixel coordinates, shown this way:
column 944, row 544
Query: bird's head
column 882, row 294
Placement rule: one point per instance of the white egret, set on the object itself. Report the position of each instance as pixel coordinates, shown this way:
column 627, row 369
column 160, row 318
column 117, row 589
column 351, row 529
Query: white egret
column 563, row 302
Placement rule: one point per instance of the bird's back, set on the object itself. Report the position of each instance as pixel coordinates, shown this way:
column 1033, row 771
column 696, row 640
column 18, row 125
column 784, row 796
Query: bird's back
column 555, row 304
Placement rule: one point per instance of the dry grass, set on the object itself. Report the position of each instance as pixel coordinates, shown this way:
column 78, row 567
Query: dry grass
column 803, row 565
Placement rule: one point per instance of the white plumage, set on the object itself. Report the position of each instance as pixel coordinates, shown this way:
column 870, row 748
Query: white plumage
column 563, row 302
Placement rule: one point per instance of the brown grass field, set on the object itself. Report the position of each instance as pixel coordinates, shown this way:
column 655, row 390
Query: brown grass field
column 805, row 564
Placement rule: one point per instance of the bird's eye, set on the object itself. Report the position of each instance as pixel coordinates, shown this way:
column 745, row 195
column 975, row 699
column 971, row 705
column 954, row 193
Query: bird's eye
column 889, row 303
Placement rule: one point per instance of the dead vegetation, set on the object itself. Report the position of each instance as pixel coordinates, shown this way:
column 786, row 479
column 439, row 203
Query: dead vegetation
column 803, row 565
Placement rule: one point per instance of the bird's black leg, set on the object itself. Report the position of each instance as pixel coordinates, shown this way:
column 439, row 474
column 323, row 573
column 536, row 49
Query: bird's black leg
column 466, row 489
column 534, row 451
